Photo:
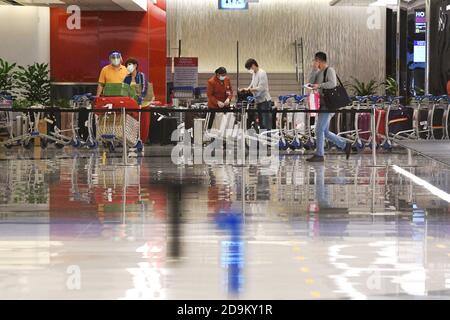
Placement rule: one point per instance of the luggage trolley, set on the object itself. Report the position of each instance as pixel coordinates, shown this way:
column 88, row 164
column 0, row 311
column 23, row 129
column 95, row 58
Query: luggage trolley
column 357, row 136
column 6, row 117
column 420, row 120
column 438, row 103
column 391, row 104
column 294, row 129
column 71, row 136
column 111, row 125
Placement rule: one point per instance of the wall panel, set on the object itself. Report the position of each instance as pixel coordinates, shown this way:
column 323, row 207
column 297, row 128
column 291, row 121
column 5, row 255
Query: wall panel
column 268, row 30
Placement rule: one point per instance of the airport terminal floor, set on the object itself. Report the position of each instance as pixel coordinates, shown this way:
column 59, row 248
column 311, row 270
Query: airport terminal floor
column 76, row 225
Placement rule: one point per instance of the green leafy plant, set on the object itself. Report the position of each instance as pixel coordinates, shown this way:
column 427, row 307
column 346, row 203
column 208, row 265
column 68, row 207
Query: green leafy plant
column 8, row 76
column 390, row 86
column 419, row 91
column 364, row 89
column 62, row 103
column 22, row 104
column 34, row 83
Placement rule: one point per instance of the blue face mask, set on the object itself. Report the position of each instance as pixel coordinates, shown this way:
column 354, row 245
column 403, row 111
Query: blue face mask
column 222, row 78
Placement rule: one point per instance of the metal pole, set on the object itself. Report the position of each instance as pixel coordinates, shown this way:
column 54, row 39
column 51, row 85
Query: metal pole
column 374, row 136
column 237, row 64
column 397, row 43
column 125, row 153
column 243, row 126
column 427, row 68
column 297, row 72
column 179, row 48
column 303, row 66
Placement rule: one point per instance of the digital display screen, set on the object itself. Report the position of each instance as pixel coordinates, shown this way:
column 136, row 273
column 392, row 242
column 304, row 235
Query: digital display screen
column 421, row 22
column 233, row 4
column 420, row 51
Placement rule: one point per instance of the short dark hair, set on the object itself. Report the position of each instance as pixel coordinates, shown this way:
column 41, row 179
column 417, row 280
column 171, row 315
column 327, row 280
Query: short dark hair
column 221, row 70
column 131, row 61
column 322, row 56
column 251, row 62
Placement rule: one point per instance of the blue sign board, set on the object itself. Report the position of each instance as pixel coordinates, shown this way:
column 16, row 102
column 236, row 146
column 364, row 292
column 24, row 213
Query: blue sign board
column 233, row 4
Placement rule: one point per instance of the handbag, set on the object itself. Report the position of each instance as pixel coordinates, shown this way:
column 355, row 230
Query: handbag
column 335, row 98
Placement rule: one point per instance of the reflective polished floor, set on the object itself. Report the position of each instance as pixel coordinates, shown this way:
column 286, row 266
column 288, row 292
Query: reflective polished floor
column 82, row 226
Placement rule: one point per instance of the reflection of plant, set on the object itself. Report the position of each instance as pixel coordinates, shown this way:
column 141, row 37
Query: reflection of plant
column 391, row 86
column 362, row 89
column 8, row 76
column 62, row 103
column 34, row 82
column 22, row 104
column 419, row 91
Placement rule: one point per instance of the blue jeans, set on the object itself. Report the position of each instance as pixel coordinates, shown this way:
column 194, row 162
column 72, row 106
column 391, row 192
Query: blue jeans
column 265, row 118
column 323, row 132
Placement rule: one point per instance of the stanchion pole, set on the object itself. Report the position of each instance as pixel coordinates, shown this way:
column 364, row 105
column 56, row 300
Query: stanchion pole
column 374, row 136
column 125, row 151
column 243, row 126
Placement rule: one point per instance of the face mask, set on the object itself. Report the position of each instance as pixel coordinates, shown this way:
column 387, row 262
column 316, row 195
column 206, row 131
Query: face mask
column 251, row 71
column 221, row 78
column 130, row 68
column 115, row 62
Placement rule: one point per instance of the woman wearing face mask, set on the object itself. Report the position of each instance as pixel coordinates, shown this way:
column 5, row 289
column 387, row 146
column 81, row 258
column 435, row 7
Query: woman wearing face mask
column 115, row 72
column 259, row 87
column 136, row 79
column 219, row 91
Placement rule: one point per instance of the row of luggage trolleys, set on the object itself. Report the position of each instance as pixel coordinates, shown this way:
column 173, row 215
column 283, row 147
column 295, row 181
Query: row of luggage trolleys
column 105, row 128
column 425, row 117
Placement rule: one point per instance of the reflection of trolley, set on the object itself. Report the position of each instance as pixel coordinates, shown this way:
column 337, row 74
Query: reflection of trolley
column 113, row 128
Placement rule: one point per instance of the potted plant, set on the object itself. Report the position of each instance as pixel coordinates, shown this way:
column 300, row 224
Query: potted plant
column 362, row 89
column 8, row 76
column 390, row 86
column 34, row 83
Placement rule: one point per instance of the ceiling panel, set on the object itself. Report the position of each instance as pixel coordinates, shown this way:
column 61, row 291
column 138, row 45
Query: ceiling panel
column 101, row 5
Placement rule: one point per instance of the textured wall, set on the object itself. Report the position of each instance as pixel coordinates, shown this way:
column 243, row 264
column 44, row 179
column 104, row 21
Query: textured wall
column 24, row 34
column 268, row 30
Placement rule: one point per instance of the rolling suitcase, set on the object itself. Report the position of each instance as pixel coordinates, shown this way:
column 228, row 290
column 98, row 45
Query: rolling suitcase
column 401, row 120
column 364, row 126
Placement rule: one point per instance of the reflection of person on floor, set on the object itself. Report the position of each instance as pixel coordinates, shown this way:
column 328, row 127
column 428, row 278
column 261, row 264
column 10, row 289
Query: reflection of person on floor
column 324, row 77
column 322, row 194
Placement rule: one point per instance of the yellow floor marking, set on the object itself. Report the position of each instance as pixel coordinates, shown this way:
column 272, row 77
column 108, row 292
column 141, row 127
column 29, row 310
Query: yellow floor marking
column 304, row 269
column 315, row 294
column 309, row 281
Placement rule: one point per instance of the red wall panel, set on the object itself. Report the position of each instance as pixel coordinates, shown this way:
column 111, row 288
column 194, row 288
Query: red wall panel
column 158, row 46
column 79, row 55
